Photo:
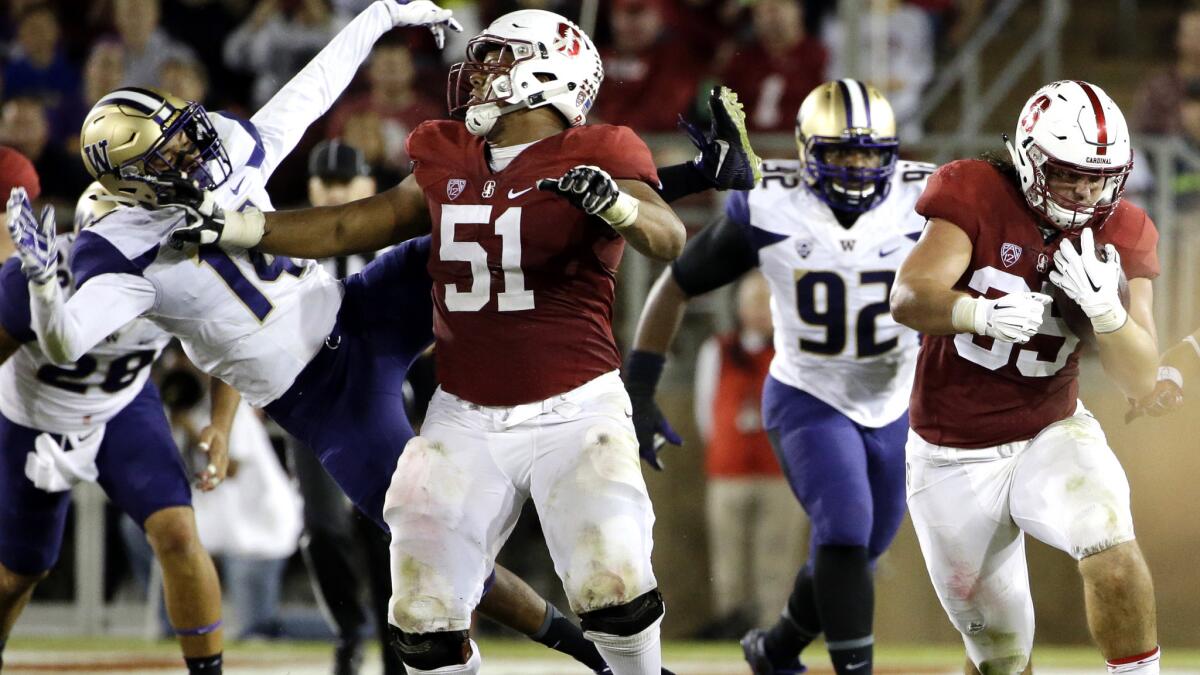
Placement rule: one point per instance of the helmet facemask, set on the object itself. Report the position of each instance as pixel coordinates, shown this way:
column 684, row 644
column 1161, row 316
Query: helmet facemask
column 203, row 158
column 850, row 189
column 485, row 77
column 1064, row 211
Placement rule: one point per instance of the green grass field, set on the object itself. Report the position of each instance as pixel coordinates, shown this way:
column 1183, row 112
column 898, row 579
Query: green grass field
column 505, row 657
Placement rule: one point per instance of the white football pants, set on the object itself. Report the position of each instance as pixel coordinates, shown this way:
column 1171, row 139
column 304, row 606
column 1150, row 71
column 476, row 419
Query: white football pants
column 459, row 487
column 970, row 509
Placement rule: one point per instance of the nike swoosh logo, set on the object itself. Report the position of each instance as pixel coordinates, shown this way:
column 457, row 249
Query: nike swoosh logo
column 238, row 187
column 1095, row 288
column 513, row 194
column 855, row 666
column 724, row 145
column 884, row 254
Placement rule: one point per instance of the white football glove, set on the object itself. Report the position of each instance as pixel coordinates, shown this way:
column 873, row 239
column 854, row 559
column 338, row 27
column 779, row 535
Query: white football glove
column 35, row 239
column 1015, row 317
column 1091, row 282
column 423, row 13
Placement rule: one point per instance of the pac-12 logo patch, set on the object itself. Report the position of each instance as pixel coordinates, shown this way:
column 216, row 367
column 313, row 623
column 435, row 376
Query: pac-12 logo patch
column 1010, row 254
column 804, row 247
column 455, row 187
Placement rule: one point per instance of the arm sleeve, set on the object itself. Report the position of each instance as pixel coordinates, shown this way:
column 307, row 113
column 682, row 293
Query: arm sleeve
column 309, row 94
column 708, row 364
column 719, row 254
column 67, row 331
column 14, row 302
column 680, row 180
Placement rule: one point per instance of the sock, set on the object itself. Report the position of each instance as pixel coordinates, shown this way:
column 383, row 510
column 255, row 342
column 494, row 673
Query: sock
column 3, row 643
column 845, row 596
column 798, row 625
column 1143, row 664
column 560, row 634
column 636, row 654
column 205, row 665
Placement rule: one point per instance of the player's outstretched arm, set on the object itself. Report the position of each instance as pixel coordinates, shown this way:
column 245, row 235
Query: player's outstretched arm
column 656, row 231
column 357, row 227
column 1179, row 364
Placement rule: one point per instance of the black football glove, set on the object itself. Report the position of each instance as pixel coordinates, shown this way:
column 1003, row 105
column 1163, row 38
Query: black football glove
column 642, row 371
column 588, row 188
column 726, row 157
column 206, row 222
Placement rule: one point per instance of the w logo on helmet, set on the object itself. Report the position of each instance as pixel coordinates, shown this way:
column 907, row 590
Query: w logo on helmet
column 569, row 40
column 97, row 156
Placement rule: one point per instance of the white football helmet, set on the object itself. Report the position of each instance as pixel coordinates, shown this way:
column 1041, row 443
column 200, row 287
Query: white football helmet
column 525, row 59
column 1072, row 126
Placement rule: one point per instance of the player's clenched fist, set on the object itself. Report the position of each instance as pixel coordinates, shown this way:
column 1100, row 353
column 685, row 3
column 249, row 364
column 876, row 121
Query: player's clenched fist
column 1015, row 317
column 423, row 13
column 593, row 191
column 33, row 237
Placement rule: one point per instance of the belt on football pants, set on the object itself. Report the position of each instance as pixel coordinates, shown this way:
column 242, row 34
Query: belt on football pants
column 566, row 403
column 940, row 455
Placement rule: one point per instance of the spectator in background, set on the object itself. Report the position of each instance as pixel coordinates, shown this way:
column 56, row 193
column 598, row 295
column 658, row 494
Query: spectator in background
column 185, row 78
column 25, row 126
column 1157, row 105
column 648, row 78
column 147, row 45
column 277, row 39
column 38, row 67
column 380, row 119
column 908, row 33
column 754, row 538
column 15, row 171
column 103, row 72
column 774, row 73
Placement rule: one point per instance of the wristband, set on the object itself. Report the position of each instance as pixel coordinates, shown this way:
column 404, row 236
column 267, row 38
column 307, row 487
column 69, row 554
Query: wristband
column 962, row 316
column 1170, row 374
column 243, row 229
column 622, row 213
column 1110, row 321
column 643, row 370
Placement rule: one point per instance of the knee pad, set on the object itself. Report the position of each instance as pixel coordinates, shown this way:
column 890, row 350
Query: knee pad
column 430, row 651
column 628, row 619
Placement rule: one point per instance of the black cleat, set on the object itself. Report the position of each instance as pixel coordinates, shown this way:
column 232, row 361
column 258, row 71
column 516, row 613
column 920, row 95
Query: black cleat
column 755, row 651
column 726, row 157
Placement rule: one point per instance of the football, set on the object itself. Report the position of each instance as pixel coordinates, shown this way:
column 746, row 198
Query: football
column 1073, row 315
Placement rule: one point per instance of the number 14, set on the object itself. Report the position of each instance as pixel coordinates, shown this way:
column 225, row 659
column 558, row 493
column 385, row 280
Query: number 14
column 514, row 298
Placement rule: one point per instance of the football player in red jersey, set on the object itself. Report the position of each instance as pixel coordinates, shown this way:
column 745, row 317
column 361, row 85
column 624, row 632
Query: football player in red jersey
column 529, row 212
column 1000, row 444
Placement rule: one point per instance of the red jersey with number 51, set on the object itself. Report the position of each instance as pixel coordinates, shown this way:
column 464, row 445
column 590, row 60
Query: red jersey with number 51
column 975, row 392
column 523, row 282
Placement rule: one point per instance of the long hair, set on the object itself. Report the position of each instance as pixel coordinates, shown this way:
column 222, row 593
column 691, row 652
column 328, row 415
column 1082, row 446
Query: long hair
column 1002, row 162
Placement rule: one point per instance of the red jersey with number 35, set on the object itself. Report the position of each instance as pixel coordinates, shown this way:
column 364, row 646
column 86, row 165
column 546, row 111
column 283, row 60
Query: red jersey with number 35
column 975, row 392
column 523, row 282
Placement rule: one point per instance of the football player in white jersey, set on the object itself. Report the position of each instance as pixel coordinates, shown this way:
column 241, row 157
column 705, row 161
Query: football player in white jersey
column 828, row 231
column 316, row 353
column 99, row 419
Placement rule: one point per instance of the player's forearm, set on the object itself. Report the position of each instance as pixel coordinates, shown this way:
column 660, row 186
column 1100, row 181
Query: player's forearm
column 59, row 334
column 1130, row 358
column 224, row 401
column 661, row 316
column 926, row 306
column 358, row 227
column 657, row 233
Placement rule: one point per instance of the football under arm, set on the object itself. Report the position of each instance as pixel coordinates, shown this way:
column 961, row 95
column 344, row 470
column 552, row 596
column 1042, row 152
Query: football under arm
column 67, row 331
column 923, row 296
column 1129, row 354
column 361, row 226
column 657, row 232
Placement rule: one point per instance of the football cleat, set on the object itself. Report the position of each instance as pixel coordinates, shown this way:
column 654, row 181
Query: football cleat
column 726, row 156
column 754, row 649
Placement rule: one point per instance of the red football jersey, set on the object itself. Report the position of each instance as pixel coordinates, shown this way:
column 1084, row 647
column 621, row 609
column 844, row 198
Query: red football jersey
column 972, row 391
column 523, row 282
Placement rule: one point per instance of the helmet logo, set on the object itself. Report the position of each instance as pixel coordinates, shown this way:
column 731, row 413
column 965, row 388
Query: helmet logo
column 455, row 187
column 1031, row 117
column 569, row 40
column 97, row 154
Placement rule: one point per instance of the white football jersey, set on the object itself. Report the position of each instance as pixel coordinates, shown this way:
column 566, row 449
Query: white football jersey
column 250, row 319
column 84, row 395
column 834, row 333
